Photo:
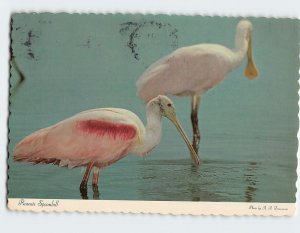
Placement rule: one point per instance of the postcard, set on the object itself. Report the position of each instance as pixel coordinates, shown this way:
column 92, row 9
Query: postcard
column 169, row 114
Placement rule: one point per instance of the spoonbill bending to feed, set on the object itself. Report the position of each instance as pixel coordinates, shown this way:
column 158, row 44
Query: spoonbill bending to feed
column 99, row 137
column 195, row 69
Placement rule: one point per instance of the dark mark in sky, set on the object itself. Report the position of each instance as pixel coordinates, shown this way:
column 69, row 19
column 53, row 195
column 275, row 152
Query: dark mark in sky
column 87, row 44
column 29, row 38
column 45, row 21
column 134, row 31
column 14, row 65
column 28, row 43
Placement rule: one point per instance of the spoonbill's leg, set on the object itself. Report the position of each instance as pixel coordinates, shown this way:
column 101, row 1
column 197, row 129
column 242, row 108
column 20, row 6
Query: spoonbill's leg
column 194, row 119
column 83, row 193
column 96, row 176
column 96, row 194
column 95, row 183
column 83, row 185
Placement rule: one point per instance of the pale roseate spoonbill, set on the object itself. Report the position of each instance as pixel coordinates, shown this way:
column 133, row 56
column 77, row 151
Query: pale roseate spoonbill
column 99, row 137
column 195, row 69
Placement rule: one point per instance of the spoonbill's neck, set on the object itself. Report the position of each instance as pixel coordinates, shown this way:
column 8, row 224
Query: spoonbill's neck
column 153, row 129
column 240, row 50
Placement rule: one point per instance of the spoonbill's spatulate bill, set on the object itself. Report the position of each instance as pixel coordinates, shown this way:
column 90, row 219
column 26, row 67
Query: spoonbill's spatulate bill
column 98, row 138
column 195, row 69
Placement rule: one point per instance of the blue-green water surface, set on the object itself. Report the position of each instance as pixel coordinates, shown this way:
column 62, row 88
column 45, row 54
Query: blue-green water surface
column 78, row 62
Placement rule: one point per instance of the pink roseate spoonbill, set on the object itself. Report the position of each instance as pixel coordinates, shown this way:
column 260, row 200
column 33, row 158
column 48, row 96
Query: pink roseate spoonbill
column 195, row 69
column 99, row 137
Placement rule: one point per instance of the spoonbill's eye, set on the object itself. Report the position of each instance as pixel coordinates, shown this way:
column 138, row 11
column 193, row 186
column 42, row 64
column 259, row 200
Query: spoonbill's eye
column 169, row 105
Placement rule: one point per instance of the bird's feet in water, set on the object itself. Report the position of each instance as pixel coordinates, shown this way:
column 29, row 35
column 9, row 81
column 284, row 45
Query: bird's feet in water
column 83, row 191
column 96, row 193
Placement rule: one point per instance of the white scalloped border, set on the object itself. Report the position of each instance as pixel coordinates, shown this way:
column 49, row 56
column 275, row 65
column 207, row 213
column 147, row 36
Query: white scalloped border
column 156, row 207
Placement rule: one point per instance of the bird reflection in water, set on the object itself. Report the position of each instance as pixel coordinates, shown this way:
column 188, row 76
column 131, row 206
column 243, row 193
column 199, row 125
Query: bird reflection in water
column 194, row 188
column 251, row 181
column 176, row 180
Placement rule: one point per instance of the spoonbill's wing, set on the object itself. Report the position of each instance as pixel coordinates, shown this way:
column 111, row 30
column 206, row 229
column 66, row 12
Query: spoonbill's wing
column 101, row 136
column 186, row 71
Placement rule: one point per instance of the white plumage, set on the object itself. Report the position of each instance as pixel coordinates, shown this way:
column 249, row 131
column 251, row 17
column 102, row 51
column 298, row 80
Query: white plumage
column 195, row 69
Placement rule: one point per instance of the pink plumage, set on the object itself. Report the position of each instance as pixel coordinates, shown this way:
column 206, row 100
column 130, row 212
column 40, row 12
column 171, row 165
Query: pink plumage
column 102, row 128
column 101, row 136
column 98, row 138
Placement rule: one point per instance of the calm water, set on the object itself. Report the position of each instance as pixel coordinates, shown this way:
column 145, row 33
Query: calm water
column 77, row 62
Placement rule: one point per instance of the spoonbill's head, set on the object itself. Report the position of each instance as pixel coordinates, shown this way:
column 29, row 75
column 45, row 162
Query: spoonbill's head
column 244, row 32
column 167, row 109
column 245, row 27
column 166, row 106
